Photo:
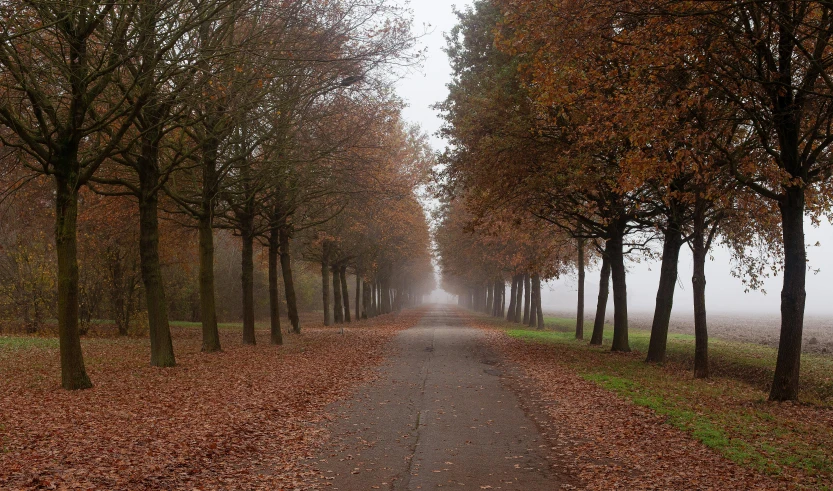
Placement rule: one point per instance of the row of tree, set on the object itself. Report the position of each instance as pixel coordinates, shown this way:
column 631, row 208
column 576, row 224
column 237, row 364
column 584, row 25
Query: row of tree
column 627, row 123
column 271, row 119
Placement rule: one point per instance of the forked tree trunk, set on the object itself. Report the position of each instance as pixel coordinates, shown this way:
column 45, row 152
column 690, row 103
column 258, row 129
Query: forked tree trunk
column 620, row 291
column 344, row 292
column 338, row 309
column 665, row 294
column 73, row 373
column 275, row 334
column 513, row 296
column 580, row 299
column 161, row 344
column 288, row 281
column 601, row 304
column 325, row 282
column 248, row 285
column 527, row 298
column 208, row 308
column 793, row 297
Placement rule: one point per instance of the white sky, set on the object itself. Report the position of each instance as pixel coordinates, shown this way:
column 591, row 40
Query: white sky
column 724, row 293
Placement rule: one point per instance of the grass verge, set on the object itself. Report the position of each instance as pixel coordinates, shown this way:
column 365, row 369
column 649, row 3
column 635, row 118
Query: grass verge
column 728, row 412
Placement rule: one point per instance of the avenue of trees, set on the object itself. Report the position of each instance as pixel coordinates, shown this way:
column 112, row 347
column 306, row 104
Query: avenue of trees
column 593, row 130
column 138, row 140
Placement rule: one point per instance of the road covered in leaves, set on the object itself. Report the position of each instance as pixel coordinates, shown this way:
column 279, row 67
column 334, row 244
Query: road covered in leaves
column 438, row 416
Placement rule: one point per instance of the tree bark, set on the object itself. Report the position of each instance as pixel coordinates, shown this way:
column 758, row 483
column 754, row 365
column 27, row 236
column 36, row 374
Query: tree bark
column 345, row 293
column 793, row 296
column 580, row 299
column 275, row 334
column 620, row 291
column 288, row 281
column 527, row 298
column 73, row 373
column 208, row 309
column 248, row 285
column 325, row 281
column 161, row 344
column 601, row 304
column 665, row 293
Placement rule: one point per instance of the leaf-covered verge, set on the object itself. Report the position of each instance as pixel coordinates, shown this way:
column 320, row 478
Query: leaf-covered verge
column 246, row 418
column 641, row 426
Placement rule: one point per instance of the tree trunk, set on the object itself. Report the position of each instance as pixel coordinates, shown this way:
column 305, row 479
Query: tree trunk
column 793, row 297
column 345, row 292
column 288, row 281
column 359, row 296
column 527, row 298
column 374, row 297
column 208, row 309
column 580, row 299
column 513, row 296
column 539, row 310
column 519, row 302
column 489, row 299
column 325, row 282
column 665, row 294
column 161, row 344
column 275, row 334
column 247, row 279
column 338, row 309
column 73, row 374
column 384, row 293
column 366, row 300
column 502, row 288
column 601, row 304
column 620, row 291
column 699, row 250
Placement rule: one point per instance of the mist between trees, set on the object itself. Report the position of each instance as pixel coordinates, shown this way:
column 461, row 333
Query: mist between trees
column 188, row 159
column 594, row 131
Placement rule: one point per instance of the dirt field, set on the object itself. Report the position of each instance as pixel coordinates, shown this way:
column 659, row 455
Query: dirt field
column 751, row 328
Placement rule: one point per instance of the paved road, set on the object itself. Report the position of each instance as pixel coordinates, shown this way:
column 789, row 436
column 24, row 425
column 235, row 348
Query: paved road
column 438, row 416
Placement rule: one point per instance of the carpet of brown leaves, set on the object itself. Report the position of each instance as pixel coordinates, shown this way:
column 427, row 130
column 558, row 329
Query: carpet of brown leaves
column 246, row 418
column 607, row 442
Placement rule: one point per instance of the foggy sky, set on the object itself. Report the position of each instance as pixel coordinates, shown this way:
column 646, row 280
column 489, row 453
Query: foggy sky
column 724, row 293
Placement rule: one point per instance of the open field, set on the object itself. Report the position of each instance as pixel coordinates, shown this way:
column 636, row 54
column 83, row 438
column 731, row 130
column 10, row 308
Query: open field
column 750, row 328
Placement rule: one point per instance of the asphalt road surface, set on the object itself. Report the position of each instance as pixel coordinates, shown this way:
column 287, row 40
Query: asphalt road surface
column 440, row 415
